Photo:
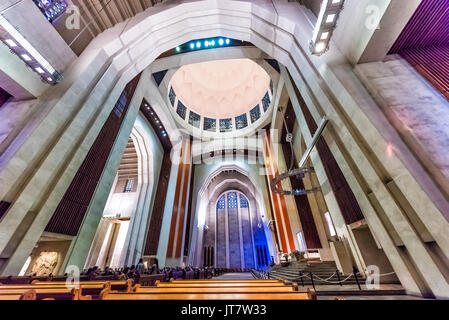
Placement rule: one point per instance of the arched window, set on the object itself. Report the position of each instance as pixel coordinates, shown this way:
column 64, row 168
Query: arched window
column 234, row 228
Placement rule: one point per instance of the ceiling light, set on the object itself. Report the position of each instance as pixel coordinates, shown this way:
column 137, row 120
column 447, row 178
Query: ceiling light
column 39, row 70
column 26, row 57
column 26, row 45
column 178, row 49
column 206, row 43
column 11, row 43
column 325, row 25
column 192, row 46
column 221, row 42
column 324, row 35
column 330, row 18
column 228, row 41
column 198, row 44
column 320, row 47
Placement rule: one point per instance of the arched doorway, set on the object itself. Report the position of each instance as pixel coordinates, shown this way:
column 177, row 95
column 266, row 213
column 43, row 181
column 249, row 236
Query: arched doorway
column 234, row 234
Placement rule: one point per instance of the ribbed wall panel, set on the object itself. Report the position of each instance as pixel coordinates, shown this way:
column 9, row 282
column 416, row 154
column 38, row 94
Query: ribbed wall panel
column 157, row 213
column 69, row 214
column 424, row 43
column 302, row 202
column 346, row 200
column 433, row 64
column 428, row 27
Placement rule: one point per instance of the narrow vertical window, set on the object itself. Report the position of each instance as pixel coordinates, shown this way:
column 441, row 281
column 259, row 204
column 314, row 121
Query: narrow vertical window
column 330, row 224
column 129, row 186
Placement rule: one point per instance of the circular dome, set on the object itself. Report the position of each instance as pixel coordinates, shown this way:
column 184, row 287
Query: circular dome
column 222, row 88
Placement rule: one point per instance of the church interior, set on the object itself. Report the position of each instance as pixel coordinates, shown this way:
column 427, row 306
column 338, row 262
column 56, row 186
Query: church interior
column 224, row 149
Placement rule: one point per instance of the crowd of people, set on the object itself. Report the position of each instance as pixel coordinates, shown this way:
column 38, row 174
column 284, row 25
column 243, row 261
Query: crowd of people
column 136, row 271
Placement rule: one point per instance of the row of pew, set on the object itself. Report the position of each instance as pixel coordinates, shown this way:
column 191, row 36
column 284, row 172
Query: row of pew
column 173, row 290
column 213, row 290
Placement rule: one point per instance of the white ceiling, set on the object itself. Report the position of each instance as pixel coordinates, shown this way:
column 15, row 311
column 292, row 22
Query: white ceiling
column 222, row 88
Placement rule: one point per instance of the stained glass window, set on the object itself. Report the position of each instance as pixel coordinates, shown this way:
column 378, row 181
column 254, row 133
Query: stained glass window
column 52, row 9
column 225, row 125
column 221, row 203
column 255, row 113
column 172, row 96
column 181, row 110
column 194, row 119
column 232, row 200
column 241, row 121
column 210, row 124
column 266, row 102
column 243, row 201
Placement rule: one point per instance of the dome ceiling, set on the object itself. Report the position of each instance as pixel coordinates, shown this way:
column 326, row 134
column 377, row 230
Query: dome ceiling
column 222, row 88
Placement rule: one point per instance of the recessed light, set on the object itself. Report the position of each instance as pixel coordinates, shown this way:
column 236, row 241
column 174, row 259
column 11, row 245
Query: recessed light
column 320, row 47
column 39, row 70
column 26, row 57
column 324, row 35
column 11, row 43
column 330, row 18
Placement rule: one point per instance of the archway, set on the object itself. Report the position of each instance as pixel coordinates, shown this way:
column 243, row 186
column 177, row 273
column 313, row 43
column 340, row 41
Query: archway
column 234, row 232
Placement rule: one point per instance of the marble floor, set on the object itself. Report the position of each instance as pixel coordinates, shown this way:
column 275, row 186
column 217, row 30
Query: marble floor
column 235, row 276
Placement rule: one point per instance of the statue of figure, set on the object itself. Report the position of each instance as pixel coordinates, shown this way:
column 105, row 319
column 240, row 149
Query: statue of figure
column 45, row 264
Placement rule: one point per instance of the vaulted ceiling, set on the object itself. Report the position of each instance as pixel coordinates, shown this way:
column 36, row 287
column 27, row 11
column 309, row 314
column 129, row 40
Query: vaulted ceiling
column 103, row 14
column 97, row 16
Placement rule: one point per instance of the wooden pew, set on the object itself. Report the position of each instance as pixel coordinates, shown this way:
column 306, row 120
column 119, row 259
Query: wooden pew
column 148, row 280
column 209, row 296
column 61, row 291
column 43, row 294
column 214, row 284
column 224, row 281
column 218, row 289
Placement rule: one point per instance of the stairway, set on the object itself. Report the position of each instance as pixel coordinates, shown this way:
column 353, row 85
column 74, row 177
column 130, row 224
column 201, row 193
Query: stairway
column 328, row 270
column 324, row 270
